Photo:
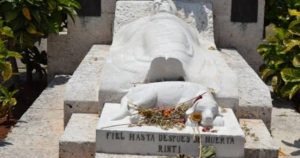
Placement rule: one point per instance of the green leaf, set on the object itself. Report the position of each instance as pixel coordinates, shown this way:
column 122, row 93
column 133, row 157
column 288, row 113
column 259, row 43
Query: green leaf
column 263, row 48
column 290, row 44
column 275, row 62
column 294, row 90
column 290, row 75
column 36, row 15
column 270, row 32
column 1, row 22
column 2, row 47
column 280, row 33
column 26, row 13
column 289, row 90
column 11, row 15
column 266, row 73
column 294, row 12
column 294, row 27
column 7, row 31
column 296, row 61
column 7, row 71
column 276, row 83
column 294, row 23
column 12, row 101
column 14, row 54
column 4, row 91
column 208, row 152
column 31, row 29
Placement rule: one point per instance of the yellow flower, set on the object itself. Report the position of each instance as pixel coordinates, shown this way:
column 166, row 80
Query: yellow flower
column 196, row 116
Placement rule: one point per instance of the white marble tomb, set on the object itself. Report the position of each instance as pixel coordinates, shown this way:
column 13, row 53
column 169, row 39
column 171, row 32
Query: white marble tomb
column 164, row 47
column 117, row 137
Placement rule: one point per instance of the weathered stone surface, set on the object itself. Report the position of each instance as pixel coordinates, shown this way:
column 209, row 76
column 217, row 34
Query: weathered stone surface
column 128, row 11
column 108, row 6
column 37, row 132
column 245, row 37
column 255, row 100
column 27, row 152
column 66, row 52
column 102, row 155
column 56, row 48
column 259, row 143
column 51, row 97
column 117, row 137
column 81, row 94
column 78, row 140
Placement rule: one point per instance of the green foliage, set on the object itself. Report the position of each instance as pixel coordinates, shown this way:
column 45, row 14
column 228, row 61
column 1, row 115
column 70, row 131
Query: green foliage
column 277, row 11
column 281, row 51
column 7, row 99
column 32, row 20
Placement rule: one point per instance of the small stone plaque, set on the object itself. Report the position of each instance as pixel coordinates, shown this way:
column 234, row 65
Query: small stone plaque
column 90, row 8
column 118, row 138
column 244, row 11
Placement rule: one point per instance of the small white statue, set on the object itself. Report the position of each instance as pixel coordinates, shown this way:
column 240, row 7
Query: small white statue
column 172, row 94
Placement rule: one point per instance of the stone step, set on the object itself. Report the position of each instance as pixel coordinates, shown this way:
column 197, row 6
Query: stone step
column 255, row 99
column 78, row 140
column 259, row 143
column 102, row 155
column 81, row 94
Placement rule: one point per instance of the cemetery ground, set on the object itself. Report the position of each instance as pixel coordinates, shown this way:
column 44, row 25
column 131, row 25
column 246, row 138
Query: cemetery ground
column 26, row 95
column 285, row 127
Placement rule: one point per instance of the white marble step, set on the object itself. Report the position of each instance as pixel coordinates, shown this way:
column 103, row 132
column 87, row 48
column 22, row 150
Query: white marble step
column 255, row 99
column 259, row 143
column 81, row 94
column 78, row 140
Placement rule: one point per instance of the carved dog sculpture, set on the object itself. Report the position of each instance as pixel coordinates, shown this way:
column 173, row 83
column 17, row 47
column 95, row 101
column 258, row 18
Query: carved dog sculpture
column 171, row 94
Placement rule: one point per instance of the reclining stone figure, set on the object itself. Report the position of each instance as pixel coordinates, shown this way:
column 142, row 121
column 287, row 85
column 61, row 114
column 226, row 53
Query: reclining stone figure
column 162, row 47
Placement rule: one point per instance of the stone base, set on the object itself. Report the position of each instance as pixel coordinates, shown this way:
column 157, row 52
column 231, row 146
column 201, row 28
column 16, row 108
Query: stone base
column 255, row 100
column 116, row 137
column 259, row 144
column 78, row 140
column 81, row 94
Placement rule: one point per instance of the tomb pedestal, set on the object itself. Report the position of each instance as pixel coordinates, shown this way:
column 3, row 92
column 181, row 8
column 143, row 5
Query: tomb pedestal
column 117, row 137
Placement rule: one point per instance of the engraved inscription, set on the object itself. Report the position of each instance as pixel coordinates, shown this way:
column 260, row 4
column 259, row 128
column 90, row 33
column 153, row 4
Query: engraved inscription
column 169, row 143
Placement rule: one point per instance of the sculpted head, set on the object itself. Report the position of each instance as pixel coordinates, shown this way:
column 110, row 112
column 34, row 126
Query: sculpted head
column 167, row 6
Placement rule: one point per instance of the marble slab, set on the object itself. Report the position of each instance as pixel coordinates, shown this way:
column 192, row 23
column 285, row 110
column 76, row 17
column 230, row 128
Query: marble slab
column 118, row 138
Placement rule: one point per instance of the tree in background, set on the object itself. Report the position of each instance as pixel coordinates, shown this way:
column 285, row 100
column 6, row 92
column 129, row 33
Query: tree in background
column 33, row 20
